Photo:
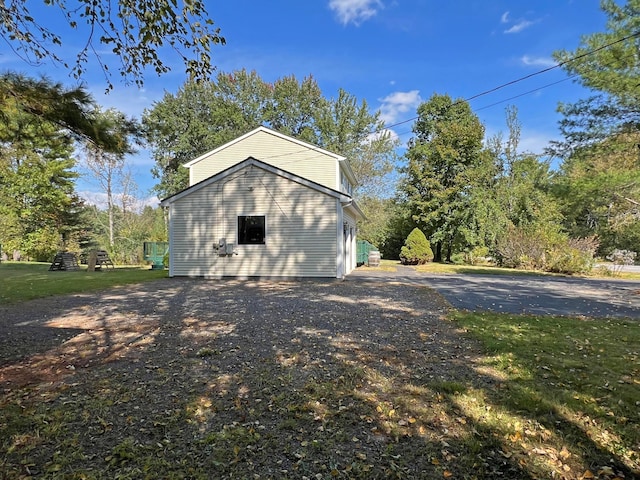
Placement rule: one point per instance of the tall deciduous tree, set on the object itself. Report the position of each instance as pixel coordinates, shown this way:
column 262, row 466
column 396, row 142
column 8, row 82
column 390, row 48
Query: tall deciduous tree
column 598, row 186
column 203, row 116
column 198, row 118
column 294, row 108
column 108, row 167
column 447, row 165
column 523, row 191
column 351, row 130
column 599, row 192
column 134, row 32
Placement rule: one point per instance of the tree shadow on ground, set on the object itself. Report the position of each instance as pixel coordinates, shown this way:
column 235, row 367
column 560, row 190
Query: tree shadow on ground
column 317, row 379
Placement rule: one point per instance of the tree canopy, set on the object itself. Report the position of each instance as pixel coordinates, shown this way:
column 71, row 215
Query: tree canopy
column 599, row 193
column 202, row 116
column 446, row 161
column 42, row 126
column 37, row 195
column 135, row 31
column 71, row 110
column 597, row 185
column 607, row 64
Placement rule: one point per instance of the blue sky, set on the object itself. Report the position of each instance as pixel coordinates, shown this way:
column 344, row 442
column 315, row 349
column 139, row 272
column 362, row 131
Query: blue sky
column 392, row 53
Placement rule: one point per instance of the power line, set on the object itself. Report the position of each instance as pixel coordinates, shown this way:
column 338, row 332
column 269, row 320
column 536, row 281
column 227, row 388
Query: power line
column 577, row 57
column 521, row 79
column 526, row 93
column 400, row 134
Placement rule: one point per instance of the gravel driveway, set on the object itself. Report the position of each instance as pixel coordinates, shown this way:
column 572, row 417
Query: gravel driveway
column 185, row 370
column 312, row 378
column 27, row 328
column 258, row 318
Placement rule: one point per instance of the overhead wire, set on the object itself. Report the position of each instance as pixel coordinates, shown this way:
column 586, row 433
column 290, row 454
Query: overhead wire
column 521, row 79
column 486, row 92
column 504, row 100
column 529, row 92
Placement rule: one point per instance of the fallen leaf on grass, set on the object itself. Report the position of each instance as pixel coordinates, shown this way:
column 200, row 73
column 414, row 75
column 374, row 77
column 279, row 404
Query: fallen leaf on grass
column 515, row 437
column 608, row 471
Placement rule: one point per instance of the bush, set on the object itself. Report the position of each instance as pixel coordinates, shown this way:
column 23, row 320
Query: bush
column 41, row 245
column 476, row 255
column 533, row 250
column 568, row 260
column 459, row 258
column 576, row 255
column 521, row 249
column 416, row 249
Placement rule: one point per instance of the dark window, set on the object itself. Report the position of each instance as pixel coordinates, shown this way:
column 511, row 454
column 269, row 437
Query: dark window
column 251, row 230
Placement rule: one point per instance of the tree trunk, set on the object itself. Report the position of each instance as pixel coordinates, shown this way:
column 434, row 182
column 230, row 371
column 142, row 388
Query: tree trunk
column 110, row 211
column 437, row 257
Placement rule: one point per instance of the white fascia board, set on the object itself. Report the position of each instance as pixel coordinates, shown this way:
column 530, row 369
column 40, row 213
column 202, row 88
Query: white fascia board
column 346, row 167
column 271, row 132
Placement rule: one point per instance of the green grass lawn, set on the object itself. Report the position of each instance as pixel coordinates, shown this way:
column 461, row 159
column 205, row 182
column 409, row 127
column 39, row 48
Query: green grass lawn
column 433, row 267
column 21, row 281
column 577, row 381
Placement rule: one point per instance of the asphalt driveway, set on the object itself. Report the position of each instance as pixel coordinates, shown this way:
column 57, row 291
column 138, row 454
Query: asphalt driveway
column 542, row 295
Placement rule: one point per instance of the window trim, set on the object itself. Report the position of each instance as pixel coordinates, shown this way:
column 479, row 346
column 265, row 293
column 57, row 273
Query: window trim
column 264, row 237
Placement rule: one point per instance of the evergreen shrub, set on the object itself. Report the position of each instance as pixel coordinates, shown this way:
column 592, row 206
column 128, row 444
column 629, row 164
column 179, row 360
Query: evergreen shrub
column 416, row 249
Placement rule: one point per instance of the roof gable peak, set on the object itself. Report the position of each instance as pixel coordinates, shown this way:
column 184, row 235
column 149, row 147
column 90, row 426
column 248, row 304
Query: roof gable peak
column 269, row 131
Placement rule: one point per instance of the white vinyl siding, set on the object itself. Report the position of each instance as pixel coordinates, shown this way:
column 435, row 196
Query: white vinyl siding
column 300, row 236
column 345, row 184
column 308, row 163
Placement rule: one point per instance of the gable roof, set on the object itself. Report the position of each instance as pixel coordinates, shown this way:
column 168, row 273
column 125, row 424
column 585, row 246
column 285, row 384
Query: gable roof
column 270, row 132
column 342, row 161
column 250, row 161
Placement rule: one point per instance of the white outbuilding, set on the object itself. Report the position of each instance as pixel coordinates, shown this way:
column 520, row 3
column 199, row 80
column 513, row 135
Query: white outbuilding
column 264, row 205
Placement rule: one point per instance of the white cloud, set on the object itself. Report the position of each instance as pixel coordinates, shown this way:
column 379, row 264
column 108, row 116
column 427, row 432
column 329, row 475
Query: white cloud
column 518, row 27
column 397, row 103
column 537, row 61
column 355, row 11
column 535, row 142
column 393, row 136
